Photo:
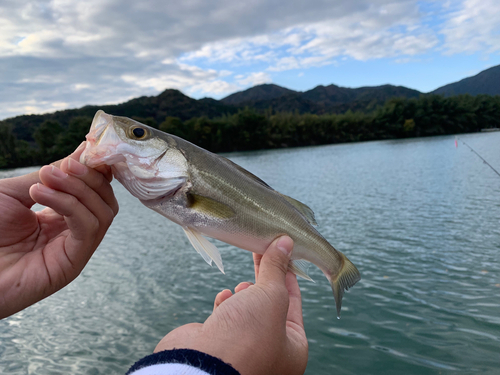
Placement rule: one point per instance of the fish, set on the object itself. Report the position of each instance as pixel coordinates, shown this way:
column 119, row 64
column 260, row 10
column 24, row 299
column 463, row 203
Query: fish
column 210, row 196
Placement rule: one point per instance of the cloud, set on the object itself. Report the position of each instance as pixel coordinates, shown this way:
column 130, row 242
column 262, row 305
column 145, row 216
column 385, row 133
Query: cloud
column 371, row 32
column 107, row 51
column 253, row 79
column 473, row 26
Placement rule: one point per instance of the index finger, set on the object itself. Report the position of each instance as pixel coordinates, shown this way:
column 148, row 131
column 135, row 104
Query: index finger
column 105, row 170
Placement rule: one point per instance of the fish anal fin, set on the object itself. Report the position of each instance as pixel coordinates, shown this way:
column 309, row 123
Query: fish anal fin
column 204, row 247
column 302, row 208
column 346, row 278
column 299, row 267
column 210, row 207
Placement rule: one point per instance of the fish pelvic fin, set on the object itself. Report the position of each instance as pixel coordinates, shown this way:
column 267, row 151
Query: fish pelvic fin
column 204, row 247
column 345, row 279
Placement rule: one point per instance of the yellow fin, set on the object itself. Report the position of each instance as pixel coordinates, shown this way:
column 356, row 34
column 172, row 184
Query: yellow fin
column 209, row 206
column 346, row 278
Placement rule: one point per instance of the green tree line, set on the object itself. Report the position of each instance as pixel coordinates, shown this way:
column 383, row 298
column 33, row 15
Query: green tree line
column 250, row 129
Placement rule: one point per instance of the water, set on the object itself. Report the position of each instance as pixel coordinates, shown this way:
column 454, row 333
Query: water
column 418, row 217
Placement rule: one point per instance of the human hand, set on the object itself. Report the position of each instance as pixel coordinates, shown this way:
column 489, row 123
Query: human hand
column 259, row 329
column 41, row 252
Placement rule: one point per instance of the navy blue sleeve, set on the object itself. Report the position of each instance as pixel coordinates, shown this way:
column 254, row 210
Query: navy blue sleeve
column 198, row 360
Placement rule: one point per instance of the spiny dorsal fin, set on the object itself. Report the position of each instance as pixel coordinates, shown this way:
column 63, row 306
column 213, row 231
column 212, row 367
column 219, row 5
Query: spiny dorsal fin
column 302, row 208
column 248, row 174
column 209, row 206
column 204, row 247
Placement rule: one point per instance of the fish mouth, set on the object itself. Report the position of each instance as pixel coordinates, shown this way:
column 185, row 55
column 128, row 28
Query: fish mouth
column 102, row 142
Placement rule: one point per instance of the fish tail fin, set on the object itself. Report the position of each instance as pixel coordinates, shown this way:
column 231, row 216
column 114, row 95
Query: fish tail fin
column 343, row 280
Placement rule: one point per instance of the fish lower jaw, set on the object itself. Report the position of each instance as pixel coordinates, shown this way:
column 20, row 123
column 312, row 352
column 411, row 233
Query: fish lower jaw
column 94, row 158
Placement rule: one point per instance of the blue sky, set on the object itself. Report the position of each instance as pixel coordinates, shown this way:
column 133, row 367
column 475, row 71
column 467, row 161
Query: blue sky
column 59, row 54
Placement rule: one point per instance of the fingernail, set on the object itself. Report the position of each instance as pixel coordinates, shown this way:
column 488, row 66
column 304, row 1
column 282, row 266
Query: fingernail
column 44, row 189
column 285, row 244
column 56, row 172
column 75, row 168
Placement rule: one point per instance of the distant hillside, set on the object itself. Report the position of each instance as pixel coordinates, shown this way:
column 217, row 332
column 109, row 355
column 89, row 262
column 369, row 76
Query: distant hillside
column 257, row 93
column 148, row 109
column 319, row 100
column 487, row 82
column 333, row 99
column 333, row 96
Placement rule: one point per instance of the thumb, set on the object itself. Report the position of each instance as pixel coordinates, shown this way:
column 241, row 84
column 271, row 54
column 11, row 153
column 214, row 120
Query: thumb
column 274, row 263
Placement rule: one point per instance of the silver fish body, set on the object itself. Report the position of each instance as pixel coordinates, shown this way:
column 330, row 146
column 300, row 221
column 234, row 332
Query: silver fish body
column 208, row 195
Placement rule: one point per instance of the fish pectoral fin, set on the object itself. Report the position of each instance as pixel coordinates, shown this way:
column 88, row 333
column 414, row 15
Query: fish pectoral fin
column 302, row 208
column 209, row 207
column 299, row 267
column 204, row 247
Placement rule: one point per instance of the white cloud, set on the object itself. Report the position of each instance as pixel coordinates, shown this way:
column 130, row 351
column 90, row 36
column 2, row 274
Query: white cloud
column 370, row 33
column 256, row 78
column 473, row 27
column 106, row 51
column 215, row 87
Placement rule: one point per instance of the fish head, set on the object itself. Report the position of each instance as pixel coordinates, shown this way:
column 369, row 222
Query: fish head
column 142, row 158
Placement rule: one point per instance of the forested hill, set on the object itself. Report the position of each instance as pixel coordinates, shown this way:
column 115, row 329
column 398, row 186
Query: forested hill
column 487, row 82
column 259, row 92
column 319, row 100
column 150, row 110
column 268, row 116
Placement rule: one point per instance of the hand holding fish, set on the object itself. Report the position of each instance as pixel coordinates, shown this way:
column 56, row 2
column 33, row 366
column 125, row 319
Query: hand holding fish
column 259, row 329
column 41, row 252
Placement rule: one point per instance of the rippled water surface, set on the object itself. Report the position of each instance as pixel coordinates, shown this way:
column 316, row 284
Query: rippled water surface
column 418, row 217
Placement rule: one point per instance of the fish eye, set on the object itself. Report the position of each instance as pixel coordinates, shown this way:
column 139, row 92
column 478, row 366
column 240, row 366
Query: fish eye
column 139, row 133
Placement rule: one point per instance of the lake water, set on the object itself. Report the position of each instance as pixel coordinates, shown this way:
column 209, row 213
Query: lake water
column 419, row 218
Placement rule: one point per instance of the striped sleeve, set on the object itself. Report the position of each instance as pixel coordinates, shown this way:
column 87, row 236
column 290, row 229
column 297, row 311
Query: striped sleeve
column 181, row 361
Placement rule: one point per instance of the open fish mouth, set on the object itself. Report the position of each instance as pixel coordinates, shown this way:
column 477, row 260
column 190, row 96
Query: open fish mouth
column 102, row 142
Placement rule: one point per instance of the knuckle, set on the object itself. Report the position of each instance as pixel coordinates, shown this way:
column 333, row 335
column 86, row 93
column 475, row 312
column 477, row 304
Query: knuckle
column 108, row 217
column 94, row 225
column 72, row 201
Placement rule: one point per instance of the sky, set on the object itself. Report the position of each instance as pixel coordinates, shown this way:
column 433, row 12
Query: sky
column 62, row 54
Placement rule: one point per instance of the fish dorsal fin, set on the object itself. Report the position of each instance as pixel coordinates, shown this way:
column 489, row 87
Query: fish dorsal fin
column 248, row 174
column 204, row 247
column 302, row 208
column 209, row 206
column 299, row 267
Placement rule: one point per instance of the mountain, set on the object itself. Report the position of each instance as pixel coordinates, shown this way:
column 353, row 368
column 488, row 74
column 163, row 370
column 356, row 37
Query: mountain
column 153, row 110
column 334, row 96
column 487, row 82
column 256, row 93
column 148, row 109
column 319, row 100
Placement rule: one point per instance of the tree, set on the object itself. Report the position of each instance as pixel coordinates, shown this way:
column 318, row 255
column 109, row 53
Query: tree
column 8, row 154
column 45, row 137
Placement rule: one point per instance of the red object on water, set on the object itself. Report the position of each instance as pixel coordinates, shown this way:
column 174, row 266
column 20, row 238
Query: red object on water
column 456, row 143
